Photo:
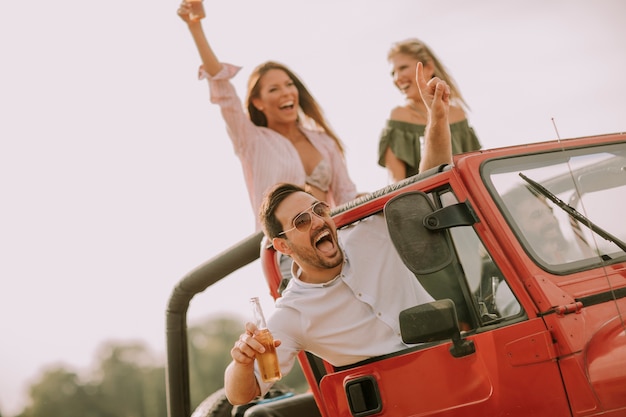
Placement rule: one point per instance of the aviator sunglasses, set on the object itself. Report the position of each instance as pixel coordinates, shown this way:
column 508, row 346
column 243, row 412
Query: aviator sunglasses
column 302, row 222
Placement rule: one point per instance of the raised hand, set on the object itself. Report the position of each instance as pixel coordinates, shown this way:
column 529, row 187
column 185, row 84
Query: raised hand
column 191, row 11
column 184, row 10
column 435, row 93
column 437, row 139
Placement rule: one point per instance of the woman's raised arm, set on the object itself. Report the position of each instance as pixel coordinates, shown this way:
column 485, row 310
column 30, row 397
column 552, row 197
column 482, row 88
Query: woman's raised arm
column 209, row 61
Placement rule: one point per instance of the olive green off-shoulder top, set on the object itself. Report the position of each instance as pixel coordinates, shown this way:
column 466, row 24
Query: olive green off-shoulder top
column 404, row 140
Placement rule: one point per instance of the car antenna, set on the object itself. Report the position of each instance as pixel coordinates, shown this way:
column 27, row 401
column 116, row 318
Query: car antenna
column 555, row 129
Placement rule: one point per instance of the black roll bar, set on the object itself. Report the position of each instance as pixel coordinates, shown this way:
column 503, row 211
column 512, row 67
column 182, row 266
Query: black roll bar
column 196, row 281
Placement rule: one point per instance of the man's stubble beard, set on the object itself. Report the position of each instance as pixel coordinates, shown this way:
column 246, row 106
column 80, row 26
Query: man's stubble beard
column 313, row 259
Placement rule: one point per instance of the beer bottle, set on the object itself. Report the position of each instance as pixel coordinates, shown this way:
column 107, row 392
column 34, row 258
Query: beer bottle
column 267, row 361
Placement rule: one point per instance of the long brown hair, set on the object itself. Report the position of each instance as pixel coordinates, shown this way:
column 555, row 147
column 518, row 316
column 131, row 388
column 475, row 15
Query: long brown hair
column 308, row 105
column 417, row 49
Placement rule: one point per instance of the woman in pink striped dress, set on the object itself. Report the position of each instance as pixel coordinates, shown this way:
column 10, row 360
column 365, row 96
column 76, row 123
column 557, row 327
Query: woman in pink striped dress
column 283, row 136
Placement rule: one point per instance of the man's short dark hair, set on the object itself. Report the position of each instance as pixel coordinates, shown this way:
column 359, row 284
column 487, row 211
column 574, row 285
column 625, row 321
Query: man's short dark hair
column 272, row 199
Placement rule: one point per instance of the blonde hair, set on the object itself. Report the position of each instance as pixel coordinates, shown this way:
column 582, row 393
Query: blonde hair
column 417, row 49
column 308, row 105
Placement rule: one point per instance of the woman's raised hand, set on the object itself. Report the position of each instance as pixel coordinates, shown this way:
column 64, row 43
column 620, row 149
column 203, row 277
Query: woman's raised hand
column 191, row 11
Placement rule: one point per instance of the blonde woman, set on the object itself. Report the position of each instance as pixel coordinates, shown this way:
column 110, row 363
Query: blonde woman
column 401, row 140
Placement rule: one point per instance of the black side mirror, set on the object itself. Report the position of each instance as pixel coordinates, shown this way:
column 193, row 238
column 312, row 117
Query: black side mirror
column 432, row 322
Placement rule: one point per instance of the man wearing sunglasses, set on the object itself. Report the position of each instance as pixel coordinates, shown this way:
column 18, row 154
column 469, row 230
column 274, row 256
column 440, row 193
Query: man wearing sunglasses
column 348, row 286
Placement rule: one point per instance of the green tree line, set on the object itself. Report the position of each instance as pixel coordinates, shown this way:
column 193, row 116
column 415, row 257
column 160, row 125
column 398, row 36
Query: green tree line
column 129, row 381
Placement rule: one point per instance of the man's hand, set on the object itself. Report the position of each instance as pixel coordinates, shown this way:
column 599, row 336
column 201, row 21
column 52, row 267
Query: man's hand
column 246, row 347
column 239, row 380
column 435, row 93
column 437, row 139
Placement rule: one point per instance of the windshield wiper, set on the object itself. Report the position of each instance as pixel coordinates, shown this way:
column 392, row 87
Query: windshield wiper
column 574, row 213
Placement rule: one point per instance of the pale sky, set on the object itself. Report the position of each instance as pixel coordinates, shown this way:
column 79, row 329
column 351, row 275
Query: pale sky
column 117, row 175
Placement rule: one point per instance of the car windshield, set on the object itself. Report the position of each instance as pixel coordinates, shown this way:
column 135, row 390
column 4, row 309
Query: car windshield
column 587, row 182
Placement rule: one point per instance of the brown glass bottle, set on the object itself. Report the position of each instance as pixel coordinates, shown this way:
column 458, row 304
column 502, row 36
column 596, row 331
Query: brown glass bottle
column 267, row 361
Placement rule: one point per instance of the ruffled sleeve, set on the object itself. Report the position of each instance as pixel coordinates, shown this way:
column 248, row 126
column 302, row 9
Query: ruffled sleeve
column 464, row 138
column 223, row 93
column 219, row 84
column 404, row 140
